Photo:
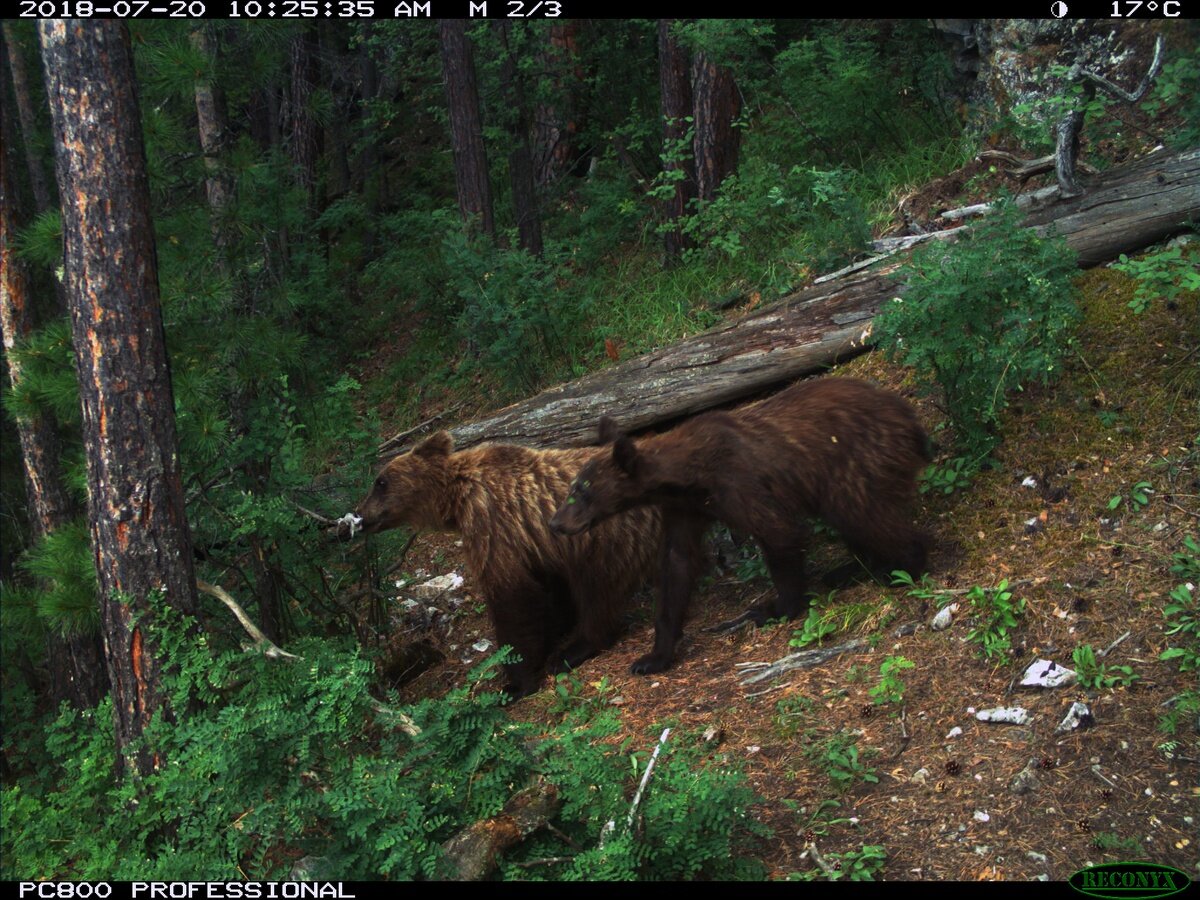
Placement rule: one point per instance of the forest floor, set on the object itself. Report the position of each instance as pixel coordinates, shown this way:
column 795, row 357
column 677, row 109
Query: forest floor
column 945, row 804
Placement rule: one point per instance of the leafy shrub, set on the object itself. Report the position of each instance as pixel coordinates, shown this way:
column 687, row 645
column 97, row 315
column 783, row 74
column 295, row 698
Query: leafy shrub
column 1163, row 275
column 274, row 760
column 982, row 317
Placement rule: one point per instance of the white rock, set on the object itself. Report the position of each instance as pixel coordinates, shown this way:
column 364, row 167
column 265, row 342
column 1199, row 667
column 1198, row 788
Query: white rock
column 1010, row 715
column 1046, row 673
column 981, row 816
column 1029, row 482
column 943, row 618
column 483, row 645
column 1078, row 716
column 954, row 732
column 436, row 587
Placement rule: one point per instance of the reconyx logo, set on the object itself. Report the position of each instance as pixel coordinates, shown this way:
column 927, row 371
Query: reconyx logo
column 1130, row 879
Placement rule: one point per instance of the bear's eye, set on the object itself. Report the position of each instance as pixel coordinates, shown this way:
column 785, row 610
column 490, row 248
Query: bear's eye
column 380, row 483
column 587, row 484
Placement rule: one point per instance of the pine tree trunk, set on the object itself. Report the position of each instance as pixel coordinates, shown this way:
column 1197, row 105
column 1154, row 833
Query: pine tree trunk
column 466, row 125
column 139, row 531
column 306, row 134
column 25, row 111
column 211, row 122
column 520, row 160
column 554, row 120
column 676, row 91
column 717, row 104
column 76, row 663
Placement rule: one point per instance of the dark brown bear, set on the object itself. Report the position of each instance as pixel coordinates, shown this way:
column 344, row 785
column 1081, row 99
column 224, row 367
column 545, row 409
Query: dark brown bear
column 836, row 448
column 540, row 587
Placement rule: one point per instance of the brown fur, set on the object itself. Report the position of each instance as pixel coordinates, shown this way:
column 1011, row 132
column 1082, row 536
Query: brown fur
column 837, row 448
column 539, row 586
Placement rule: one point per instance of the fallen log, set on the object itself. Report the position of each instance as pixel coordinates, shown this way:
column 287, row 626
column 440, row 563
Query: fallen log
column 473, row 853
column 1123, row 210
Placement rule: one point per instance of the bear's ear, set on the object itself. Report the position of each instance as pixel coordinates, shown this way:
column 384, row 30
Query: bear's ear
column 609, row 432
column 625, row 455
column 437, row 444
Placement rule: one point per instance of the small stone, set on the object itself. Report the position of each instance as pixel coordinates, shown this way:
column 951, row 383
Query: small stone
column 1029, row 482
column 482, row 645
column 1010, row 715
column 920, row 776
column 943, row 618
column 1046, row 673
column 1026, row 780
column 954, row 732
column 981, row 816
column 436, row 587
column 1037, row 857
column 1078, row 716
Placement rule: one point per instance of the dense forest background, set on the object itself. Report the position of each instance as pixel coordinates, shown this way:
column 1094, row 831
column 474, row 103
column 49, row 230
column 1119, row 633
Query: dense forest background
column 357, row 228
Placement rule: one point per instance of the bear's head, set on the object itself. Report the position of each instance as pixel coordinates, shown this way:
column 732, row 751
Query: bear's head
column 609, row 484
column 411, row 489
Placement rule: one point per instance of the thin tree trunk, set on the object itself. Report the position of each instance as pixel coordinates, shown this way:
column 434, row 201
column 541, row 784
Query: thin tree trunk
column 305, row 133
column 76, row 663
column 520, row 160
column 466, row 125
column 211, row 122
column 139, row 532
column 43, row 198
column 676, row 93
column 25, row 111
column 554, row 120
column 717, row 104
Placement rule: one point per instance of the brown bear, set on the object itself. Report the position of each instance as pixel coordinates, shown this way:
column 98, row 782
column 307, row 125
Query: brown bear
column 837, row 448
column 540, row 586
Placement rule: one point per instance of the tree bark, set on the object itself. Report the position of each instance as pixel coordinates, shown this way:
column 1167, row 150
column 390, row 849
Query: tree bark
column 473, row 853
column 520, row 160
column 466, row 125
column 676, row 99
column 305, row 142
column 554, row 119
column 1124, row 210
column 25, row 112
column 717, row 103
column 139, row 531
column 76, row 663
column 212, row 124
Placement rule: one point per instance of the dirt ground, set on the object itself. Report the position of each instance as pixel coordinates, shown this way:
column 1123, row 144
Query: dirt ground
column 944, row 805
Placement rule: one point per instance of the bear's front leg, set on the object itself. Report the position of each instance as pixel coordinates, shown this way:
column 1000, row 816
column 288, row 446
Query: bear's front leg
column 521, row 619
column 680, row 563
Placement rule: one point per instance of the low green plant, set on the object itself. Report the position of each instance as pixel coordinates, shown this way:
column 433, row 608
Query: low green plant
column 1126, row 847
column 1164, row 275
column 1182, row 611
column 953, row 475
column 1177, row 88
column 891, row 686
column 859, row 865
column 995, row 615
column 1096, row 675
column 1138, row 494
column 982, row 317
column 919, row 590
column 570, row 696
column 817, row 626
column 790, row 714
column 838, row 755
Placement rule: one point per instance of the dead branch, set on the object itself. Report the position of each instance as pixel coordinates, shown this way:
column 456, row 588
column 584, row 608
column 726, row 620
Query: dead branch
column 270, row 650
column 474, row 851
column 805, row 659
column 396, row 439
